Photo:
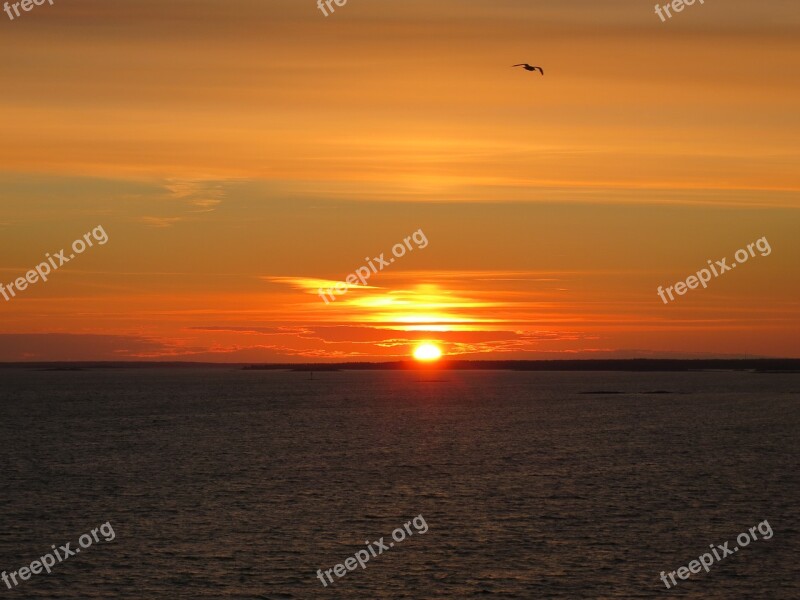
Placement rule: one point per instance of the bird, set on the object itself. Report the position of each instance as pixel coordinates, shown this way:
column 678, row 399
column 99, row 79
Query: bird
column 528, row 67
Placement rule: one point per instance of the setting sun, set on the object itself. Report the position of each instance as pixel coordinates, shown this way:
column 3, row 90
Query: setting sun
column 427, row 352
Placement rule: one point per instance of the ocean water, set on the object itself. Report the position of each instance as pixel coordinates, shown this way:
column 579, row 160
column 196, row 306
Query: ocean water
column 221, row 483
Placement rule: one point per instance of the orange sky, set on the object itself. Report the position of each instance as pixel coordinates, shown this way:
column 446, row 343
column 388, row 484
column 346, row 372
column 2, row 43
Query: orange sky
column 234, row 152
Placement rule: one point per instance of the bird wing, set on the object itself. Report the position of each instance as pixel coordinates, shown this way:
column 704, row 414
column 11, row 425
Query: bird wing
column 540, row 70
column 519, row 65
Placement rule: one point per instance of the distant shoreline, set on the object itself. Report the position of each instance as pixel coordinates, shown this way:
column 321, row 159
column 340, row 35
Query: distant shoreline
column 760, row 365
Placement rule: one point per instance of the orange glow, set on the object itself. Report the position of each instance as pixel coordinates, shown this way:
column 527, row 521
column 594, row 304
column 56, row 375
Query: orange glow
column 427, row 352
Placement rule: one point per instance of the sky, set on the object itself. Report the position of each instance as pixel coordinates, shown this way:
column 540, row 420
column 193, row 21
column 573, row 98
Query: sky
column 240, row 156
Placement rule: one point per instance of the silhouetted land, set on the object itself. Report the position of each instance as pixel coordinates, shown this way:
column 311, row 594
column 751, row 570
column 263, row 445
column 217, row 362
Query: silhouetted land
column 762, row 365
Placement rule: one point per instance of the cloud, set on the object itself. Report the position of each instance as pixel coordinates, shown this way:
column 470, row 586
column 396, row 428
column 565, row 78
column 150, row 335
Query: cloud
column 45, row 347
column 311, row 285
column 160, row 222
column 205, row 195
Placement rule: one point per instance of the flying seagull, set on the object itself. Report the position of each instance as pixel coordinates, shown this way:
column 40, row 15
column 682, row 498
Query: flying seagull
column 529, row 68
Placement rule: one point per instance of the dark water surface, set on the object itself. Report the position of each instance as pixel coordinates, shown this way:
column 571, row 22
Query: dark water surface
column 232, row 484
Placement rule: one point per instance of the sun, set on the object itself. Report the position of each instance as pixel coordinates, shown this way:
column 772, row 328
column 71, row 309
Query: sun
column 427, row 352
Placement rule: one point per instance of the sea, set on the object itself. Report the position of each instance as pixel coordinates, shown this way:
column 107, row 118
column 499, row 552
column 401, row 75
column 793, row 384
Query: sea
column 227, row 483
